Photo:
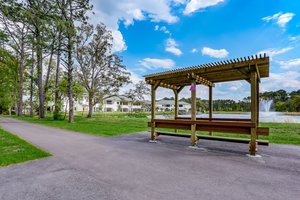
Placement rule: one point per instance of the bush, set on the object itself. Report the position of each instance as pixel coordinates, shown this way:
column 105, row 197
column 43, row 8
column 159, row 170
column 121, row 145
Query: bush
column 138, row 114
column 58, row 116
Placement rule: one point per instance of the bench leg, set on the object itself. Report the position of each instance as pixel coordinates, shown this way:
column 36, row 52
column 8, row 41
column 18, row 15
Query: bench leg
column 253, row 142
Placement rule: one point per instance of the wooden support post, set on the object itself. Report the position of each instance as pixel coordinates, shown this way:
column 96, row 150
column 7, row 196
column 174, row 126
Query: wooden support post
column 210, row 104
column 258, row 100
column 254, row 83
column 153, row 108
column 176, row 104
column 193, row 117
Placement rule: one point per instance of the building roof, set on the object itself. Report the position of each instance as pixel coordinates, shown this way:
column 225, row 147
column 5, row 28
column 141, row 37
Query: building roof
column 208, row 74
column 119, row 98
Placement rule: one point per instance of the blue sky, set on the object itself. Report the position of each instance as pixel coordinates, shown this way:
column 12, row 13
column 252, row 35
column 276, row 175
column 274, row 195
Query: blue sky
column 160, row 35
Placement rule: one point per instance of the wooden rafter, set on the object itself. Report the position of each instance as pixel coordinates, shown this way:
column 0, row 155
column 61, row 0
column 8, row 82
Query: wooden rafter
column 162, row 84
column 200, row 80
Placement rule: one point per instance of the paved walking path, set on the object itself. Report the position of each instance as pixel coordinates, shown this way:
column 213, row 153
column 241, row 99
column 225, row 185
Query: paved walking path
column 129, row 167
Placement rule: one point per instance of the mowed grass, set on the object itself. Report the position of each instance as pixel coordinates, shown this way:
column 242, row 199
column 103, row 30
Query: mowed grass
column 101, row 124
column 113, row 124
column 15, row 150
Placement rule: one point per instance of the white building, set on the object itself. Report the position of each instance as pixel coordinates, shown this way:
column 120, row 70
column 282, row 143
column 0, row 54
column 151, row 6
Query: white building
column 112, row 104
column 168, row 105
column 124, row 104
column 121, row 104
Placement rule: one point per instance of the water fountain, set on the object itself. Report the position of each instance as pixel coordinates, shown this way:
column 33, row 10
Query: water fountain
column 265, row 105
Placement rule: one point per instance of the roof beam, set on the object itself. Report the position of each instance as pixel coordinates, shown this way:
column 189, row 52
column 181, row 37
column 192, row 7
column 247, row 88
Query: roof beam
column 200, row 80
column 158, row 83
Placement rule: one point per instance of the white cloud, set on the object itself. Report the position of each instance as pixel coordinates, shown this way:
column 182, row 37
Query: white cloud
column 194, row 50
column 127, row 11
column 195, row 5
column 294, row 38
column 136, row 15
column 294, row 63
column 236, row 85
column 179, row 2
column 172, row 47
column 287, row 80
column 163, row 29
column 215, row 53
column 118, row 42
column 281, row 19
column 155, row 63
column 273, row 52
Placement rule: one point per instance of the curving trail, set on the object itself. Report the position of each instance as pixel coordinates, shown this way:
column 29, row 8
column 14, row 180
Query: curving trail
column 129, row 167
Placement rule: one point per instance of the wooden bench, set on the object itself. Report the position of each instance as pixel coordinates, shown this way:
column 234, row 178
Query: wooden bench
column 212, row 125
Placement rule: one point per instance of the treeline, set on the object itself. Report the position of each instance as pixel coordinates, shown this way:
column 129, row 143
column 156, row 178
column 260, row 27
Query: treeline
column 281, row 101
column 50, row 56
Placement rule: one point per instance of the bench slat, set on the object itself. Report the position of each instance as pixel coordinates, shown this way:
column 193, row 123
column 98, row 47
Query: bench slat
column 218, row 138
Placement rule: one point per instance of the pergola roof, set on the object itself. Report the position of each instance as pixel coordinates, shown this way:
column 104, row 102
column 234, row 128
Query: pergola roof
column 208, row 74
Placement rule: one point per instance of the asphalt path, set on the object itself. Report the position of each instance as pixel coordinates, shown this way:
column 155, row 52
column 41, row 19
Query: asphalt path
column 129, row 167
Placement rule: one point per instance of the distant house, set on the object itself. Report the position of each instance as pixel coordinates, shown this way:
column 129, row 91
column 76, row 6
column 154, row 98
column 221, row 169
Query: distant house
column 121, row 104
column 124, row 104
column 168, row 105
column 111, row 104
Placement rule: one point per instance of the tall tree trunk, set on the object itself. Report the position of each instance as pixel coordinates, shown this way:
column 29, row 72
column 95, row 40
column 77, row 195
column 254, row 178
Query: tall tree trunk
column 70, row 79
column 15, row 99
column 49, row 70
column 21, row 72
column 39, row 57
column 31, row 84
column 70, row 62
column 91, row 105
column 56, row 97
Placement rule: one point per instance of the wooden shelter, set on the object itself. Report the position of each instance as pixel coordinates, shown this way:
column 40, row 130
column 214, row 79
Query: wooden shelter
column 251, row 69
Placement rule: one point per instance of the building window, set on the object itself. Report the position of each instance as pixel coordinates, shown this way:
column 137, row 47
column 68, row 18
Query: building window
column 109, row 102
column 180, row 105
column 125, row 103
column 168, row 105
column 108, row 109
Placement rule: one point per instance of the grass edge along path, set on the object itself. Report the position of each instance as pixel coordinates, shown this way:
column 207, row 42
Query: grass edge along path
column 14, row 149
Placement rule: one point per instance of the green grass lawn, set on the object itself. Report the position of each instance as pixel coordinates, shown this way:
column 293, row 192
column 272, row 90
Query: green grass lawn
column 15, row 150
column 102, row 124
column 112, row 124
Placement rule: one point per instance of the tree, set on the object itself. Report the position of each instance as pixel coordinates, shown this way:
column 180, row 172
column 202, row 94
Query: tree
column 100, row 72
column 139, row 92
column 13, row 20
column 63, row 88
column 8, row 79
column 296, row 103
column 72, row 10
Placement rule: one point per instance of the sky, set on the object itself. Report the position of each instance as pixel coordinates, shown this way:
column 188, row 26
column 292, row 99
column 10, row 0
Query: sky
column 159, row 35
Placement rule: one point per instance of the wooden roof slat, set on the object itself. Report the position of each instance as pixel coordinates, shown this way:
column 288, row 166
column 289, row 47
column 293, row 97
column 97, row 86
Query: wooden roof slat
column 226, row 70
